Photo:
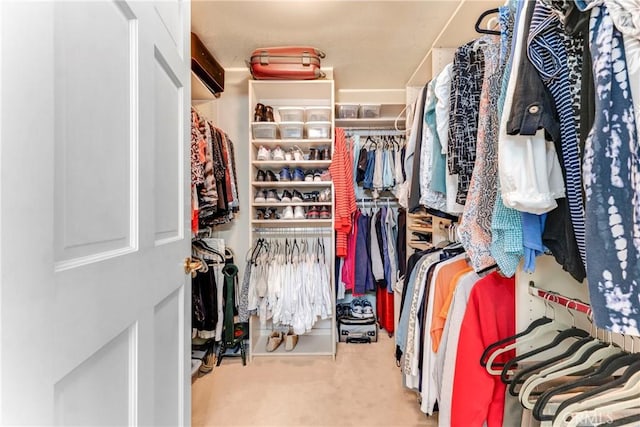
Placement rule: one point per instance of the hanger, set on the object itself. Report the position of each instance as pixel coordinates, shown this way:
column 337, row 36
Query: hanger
column 624, row 398
column 536, row 329
column 599, row 377
column 588, row 360
column 481, row 17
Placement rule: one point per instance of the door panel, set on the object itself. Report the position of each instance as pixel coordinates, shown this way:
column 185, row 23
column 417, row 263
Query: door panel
column 94, row 202
column 168, row 144
column 94, row 116
column 169, row 322
column 83, row 397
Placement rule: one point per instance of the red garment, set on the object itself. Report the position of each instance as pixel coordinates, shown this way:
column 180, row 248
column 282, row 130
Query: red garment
column 344, row 195
column 349, row 266
column 490, row 317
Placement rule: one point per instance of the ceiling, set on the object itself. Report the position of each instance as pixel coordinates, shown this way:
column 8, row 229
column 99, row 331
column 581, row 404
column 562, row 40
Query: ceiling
column 369, row 44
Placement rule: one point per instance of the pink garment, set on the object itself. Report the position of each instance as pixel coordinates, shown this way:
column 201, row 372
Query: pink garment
column 349, row 266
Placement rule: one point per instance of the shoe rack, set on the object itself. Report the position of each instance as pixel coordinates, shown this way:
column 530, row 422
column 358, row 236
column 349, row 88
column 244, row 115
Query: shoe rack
column 321, row 340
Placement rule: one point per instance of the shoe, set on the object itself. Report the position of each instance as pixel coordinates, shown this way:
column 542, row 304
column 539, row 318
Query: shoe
column 258, row 114
column 271, row 177
column 260, row 196
column 297, row 153
column 325, row 212
column 367, row 308
column 271, row 213
column 356, row 308
column 272, row 196
column 260, row 214
column 296, row 196
column 288, row 156
column 298, row 174
column 299, row 213
column 314, row 154
column 274, row 341
column 268, row 114
column 317, row 175
column 260, row 176
column 325, row 195
column 325, row 154
column 286, row 196
column 311, row 196
column 308, row 176
column 277, row 154
column 423, row 237
column 285, row 174
column 290, row 341
column 287, row 212
column 313, row 213
column 264, row 153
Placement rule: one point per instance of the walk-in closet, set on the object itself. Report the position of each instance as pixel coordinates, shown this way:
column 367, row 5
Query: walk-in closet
column 320, row 213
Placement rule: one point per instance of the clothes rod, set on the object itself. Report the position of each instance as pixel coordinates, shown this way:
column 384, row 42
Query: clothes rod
column 559, row 299
column 300, row 231
column 373, row 132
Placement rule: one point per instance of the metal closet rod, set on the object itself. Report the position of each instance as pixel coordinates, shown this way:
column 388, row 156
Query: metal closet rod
column 374, row 132
column 556, row 298
column 298, row 231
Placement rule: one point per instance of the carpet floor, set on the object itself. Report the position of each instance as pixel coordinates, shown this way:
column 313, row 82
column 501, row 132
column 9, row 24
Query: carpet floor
column 362, row 387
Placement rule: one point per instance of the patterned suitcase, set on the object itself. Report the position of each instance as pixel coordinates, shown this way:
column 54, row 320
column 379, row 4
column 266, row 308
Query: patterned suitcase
column 286, row 63
column 354, row 330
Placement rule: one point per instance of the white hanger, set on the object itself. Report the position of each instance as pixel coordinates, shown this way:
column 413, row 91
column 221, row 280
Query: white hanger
column 597, row 356
column 625, row 397
column 532, row 337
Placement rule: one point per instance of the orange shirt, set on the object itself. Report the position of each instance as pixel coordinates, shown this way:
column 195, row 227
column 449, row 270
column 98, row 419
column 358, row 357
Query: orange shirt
column 447, row 274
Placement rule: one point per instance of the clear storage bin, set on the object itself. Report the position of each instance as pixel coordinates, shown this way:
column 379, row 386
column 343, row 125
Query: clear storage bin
column 318, row 130
column 318, row 114
column 264, row 130
column 291, row 130
column 291, row 114
column 347, row 111
column 369, row 111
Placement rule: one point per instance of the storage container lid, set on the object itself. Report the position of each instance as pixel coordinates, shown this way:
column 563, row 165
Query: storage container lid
column 308, row 124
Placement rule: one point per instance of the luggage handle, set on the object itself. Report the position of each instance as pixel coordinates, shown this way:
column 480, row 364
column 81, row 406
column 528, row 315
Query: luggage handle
column 358, row 340
column 306, row 57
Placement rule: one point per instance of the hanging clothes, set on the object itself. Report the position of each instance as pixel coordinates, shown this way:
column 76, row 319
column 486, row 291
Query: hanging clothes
column 344, row 196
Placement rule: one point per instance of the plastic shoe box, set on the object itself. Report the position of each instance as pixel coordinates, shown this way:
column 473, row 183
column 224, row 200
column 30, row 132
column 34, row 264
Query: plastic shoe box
column 291, row 130
column 318, row 114
column 264, row 130
column 291, row 114
column 318, row 130
column 347, row 111
column 369, row 111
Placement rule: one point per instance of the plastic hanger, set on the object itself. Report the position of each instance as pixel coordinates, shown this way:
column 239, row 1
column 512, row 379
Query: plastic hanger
column 534, row 331
column 625, row 398
column 479, row 21
column 598, row 378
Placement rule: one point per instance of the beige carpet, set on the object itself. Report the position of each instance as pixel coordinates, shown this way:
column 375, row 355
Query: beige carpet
column 362, row 387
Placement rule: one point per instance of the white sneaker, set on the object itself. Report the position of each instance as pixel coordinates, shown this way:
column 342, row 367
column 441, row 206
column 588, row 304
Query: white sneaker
column 263, row 153
column 287, row 212
column 299, row 212
column 298, row 155
column 288, row 156
column 277, row 153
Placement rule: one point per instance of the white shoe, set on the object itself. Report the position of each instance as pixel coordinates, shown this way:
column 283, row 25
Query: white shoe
column 287, row 212
column 298, row 155
column 288, row 156
column 299, row 212
column 277, row 153
column 263, row 153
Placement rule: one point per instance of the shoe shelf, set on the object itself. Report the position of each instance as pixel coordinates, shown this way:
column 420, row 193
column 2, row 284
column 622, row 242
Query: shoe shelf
column 282, row 223
column 321, row 340
column 285, row 204
column 291, row 184
column 278, row 164
column 285, row 143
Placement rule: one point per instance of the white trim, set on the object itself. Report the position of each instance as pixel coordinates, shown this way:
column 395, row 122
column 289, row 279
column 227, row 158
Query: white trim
column 181, row 355
column 134, row 136
column 90, row 259
column 133, row 375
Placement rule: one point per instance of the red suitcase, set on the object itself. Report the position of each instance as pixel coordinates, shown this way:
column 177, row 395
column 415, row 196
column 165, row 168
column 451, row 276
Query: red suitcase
column 384, row 306
column 286, row 63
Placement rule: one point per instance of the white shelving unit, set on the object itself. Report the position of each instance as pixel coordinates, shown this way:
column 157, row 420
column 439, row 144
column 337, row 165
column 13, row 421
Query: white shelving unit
column 321, row 340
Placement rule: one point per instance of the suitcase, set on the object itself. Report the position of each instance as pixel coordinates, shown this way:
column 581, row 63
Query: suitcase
column 286, row 63
column 205, row 66
column 354, row 330
column 384, row 306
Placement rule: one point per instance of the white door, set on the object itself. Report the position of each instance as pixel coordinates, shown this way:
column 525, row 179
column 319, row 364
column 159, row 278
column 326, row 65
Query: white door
column 94, row 199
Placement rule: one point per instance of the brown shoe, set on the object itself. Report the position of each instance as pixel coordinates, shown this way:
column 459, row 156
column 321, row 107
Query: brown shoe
column 259, row 113
column 290, row 341
column 268, row 114
column 274, row 341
